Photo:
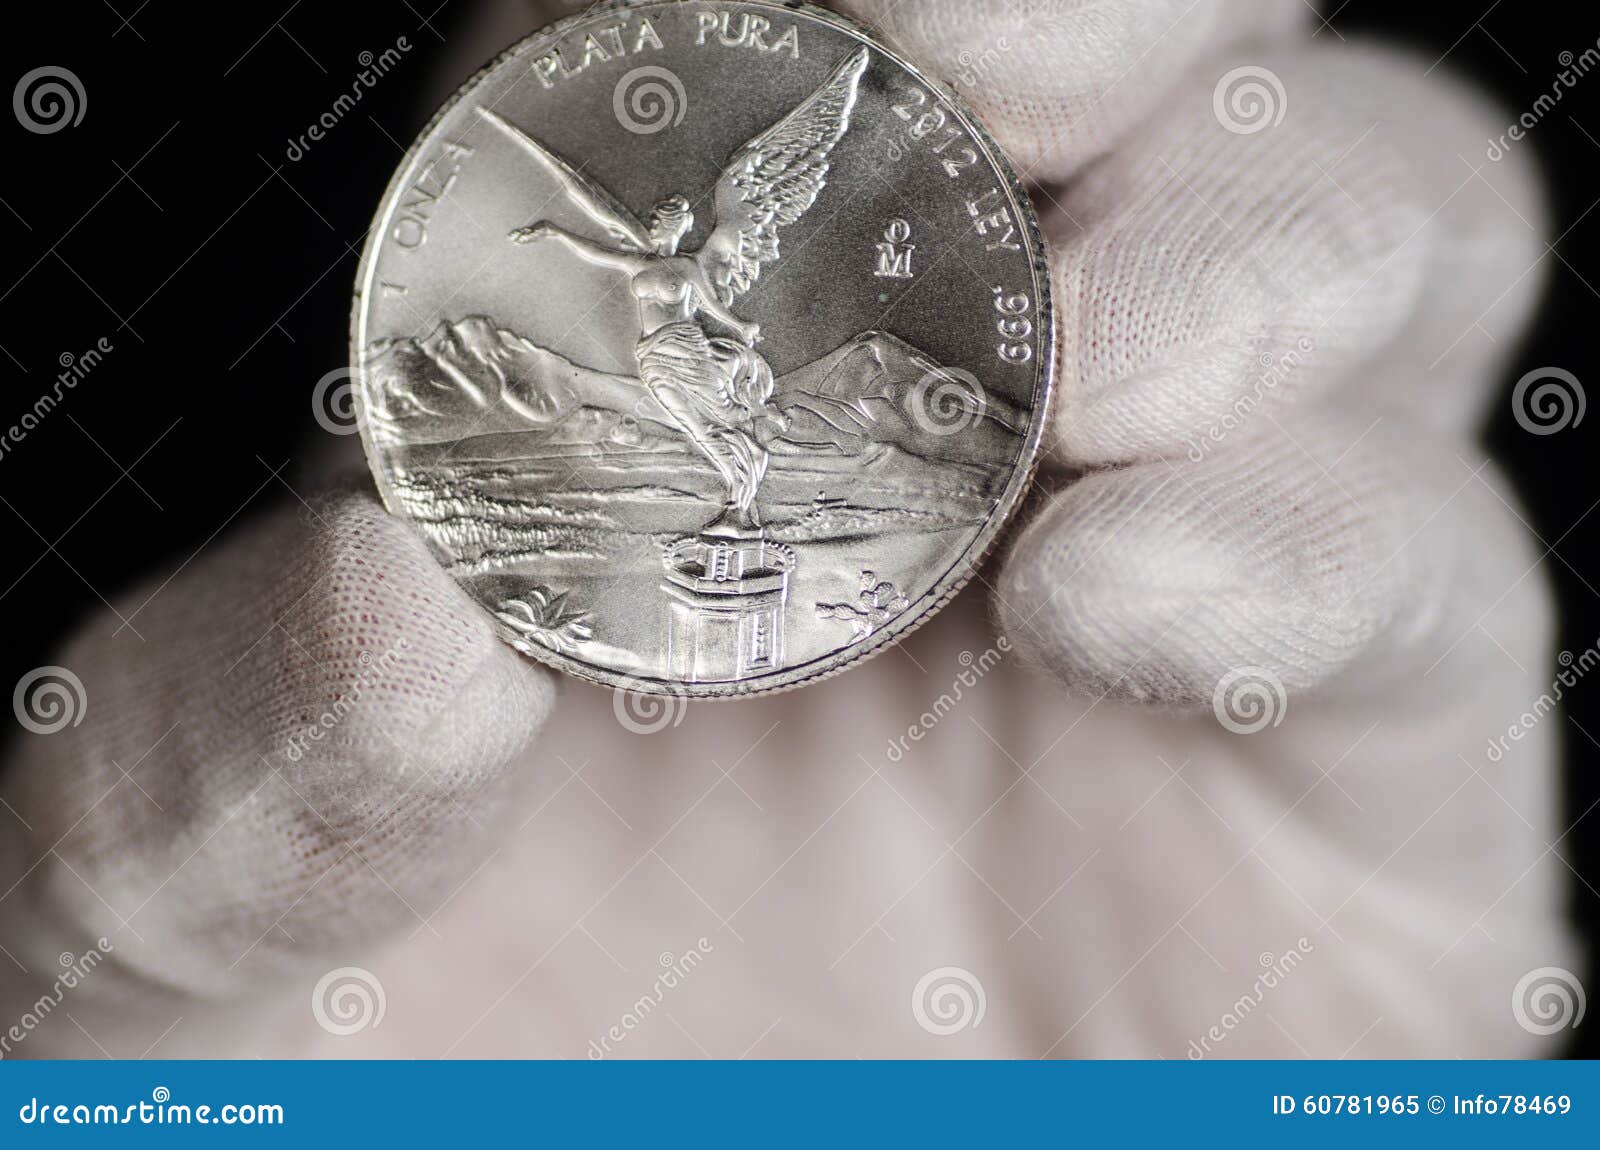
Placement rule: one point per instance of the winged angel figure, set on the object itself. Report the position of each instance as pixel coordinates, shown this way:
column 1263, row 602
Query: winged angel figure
column 714, row 388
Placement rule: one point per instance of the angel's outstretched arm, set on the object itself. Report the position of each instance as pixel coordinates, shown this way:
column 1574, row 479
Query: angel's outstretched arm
column 582, row 192
column 585, row 249
column 581, row 195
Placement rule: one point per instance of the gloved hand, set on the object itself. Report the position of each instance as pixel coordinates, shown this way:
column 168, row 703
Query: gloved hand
column 1228, row 774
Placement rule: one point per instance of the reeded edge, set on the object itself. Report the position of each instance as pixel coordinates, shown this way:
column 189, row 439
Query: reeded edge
column 1026, row 466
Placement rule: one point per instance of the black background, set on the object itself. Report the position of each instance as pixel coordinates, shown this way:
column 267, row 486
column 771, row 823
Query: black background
column 171, row 223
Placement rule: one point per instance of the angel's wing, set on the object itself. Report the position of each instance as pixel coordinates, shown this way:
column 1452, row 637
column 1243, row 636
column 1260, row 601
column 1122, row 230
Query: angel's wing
column 589, row 197
column 773, row 179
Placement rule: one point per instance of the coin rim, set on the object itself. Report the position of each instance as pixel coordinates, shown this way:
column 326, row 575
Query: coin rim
column 962, row 568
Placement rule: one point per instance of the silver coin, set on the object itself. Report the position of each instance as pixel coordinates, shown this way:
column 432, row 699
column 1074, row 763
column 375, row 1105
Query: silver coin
column 709, row 344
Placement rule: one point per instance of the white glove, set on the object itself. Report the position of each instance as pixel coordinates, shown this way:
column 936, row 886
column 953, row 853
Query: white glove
column 1085, row 841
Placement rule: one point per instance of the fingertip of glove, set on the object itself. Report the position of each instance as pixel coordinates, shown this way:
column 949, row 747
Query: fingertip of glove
column 385, row 641
column 1092, row 596
column 1156, row 583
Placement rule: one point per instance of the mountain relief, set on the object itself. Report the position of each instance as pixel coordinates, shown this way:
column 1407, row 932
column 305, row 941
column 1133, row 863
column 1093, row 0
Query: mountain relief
column 473, row 378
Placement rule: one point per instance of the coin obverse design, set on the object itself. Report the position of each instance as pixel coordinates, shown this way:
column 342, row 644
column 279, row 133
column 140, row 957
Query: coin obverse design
column 709, row 344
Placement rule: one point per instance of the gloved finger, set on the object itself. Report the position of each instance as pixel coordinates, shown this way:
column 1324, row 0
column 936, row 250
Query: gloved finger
column 292, row 749
column 1325, row 548
column 1059, row 82
column 1294, row 220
